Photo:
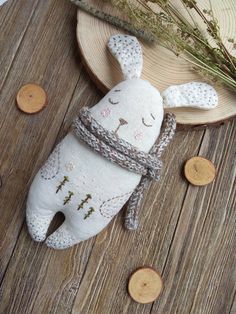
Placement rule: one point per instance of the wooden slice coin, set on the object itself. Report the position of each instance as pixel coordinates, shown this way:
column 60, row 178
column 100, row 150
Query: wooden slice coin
column 199, row 171
column 145, row 285
column 31, row 98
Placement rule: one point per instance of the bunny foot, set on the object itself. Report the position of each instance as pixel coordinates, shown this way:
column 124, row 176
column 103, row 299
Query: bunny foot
column 38, row 224
column 62, row 238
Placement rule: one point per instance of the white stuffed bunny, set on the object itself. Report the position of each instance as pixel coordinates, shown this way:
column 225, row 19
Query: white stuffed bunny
column 110, row 154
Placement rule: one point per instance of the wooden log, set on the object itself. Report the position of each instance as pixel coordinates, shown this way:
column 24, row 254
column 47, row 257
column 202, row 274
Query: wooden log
column 161, row 67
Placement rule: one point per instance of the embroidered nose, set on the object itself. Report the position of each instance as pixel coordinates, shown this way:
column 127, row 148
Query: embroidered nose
column 123, row 121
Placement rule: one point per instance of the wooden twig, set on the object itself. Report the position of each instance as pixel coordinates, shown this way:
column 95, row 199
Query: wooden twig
column 114, row 20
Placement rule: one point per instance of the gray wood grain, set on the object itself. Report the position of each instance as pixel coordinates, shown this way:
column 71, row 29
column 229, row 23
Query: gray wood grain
column 187, row 233
column 24, row 143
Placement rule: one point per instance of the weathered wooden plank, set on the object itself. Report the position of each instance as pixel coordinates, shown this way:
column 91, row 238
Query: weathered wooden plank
column 199, row 273
column 15, row 18
column 117, row 253
column 233, row 306
column 48, row 280
column 24, row 140
column 188, row 233
column 38, row 277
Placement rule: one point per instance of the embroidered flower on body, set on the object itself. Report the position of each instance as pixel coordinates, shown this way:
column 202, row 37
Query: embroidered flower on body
column 69, row 166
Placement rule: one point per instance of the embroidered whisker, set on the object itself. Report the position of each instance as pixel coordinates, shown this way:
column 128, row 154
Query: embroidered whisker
column 153, row 116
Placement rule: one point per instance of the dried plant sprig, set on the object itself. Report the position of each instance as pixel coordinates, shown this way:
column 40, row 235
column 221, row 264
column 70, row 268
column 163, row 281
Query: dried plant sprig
column 175, row 32
column 183, row 36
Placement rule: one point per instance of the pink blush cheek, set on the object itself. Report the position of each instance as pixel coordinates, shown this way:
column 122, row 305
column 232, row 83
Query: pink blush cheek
column 138, row 135
column 105, row 112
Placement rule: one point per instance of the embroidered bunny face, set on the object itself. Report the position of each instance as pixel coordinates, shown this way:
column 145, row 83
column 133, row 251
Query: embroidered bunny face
column 133, row 109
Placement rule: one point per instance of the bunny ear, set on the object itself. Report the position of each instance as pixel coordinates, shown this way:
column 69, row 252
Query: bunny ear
column 194, row 94
column 127, row 50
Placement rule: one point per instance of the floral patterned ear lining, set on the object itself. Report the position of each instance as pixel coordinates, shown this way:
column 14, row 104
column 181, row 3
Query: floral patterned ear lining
column 127, row 50
column 194, row 94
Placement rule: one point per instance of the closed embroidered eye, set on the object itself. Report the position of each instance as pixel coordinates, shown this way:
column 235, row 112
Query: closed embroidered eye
column 148, row 125
column 113, row 102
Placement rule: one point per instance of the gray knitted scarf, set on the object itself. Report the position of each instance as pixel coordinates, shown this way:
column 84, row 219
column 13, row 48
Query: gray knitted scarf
column 118, row 151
